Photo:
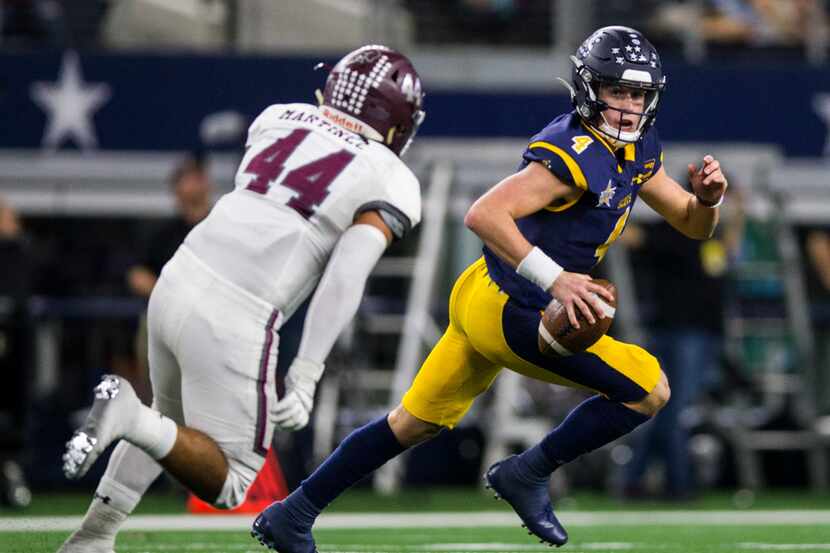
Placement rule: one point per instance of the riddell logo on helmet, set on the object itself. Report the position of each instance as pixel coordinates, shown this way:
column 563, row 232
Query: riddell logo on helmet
column 350, row 123
column 344, row 121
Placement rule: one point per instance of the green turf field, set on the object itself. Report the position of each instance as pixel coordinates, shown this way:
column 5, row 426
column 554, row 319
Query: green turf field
column 452, row 499
column 611, row 539
column 456, row 521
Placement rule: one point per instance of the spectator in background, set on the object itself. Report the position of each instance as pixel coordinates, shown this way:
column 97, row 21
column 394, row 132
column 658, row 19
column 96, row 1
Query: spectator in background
column 27, row 23
column 481, row 21
column 15, row 354
column 193, row 192
column 51, row 23
column 688, row 283
column 760, row 22
column 743, row 22
column 487, row 19
column 815, row 242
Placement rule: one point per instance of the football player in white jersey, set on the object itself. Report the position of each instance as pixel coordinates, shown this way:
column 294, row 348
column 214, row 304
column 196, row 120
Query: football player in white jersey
column 320, row 193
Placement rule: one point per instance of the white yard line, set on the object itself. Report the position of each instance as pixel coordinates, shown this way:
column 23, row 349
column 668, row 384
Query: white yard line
column 783, row 546
column 439, row 520
column 389, row 548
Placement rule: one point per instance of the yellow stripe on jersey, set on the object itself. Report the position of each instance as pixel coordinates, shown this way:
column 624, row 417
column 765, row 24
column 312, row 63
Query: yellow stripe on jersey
column 630, row 149
column 599, row 137
column 566, row 205
column 570, row 163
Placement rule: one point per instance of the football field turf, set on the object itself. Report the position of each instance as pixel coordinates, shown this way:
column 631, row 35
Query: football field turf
column 675, row 531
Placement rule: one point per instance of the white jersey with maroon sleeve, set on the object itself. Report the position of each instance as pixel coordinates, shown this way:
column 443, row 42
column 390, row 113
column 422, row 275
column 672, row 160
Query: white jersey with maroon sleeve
column 301, row 183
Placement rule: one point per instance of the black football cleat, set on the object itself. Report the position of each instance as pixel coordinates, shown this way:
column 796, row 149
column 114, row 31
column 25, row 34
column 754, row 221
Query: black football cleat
column 277, row 530
column 530, row 500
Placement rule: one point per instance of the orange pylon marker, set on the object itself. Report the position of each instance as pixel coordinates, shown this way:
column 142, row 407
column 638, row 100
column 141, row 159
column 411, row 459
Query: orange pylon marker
column 268, row 487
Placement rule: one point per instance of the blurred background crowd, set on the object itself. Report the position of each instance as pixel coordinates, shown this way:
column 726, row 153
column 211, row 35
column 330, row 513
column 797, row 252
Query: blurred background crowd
column 124, row 119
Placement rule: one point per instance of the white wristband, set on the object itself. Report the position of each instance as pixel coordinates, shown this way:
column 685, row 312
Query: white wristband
column 710, row 206
column 539, row 269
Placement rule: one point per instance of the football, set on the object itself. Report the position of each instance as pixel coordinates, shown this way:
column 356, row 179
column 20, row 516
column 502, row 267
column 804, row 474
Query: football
column 557, row 337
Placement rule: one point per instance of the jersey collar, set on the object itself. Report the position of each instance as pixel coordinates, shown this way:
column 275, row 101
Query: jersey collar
column 630, row 150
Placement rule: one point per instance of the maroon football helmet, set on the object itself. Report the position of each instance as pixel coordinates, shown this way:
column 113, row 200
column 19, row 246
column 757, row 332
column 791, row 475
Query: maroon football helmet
column 375, row 92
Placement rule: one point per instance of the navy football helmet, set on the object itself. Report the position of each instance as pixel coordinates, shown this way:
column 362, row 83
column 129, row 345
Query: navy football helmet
column 375, row 92
column 618, row 56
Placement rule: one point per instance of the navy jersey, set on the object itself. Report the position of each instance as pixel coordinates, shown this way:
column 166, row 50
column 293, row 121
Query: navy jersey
column 576, row 234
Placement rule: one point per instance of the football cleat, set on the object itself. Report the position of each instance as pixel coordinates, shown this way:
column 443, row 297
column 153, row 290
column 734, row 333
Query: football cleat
column 112, row 415
column 277, row 530
column 530, row 501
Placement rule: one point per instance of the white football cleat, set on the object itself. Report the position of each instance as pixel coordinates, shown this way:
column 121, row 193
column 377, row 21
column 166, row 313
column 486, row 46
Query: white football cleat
column 113, row 414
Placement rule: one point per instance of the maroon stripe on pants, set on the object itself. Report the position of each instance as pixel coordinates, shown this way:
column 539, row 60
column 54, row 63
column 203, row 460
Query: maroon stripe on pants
column 262, row 399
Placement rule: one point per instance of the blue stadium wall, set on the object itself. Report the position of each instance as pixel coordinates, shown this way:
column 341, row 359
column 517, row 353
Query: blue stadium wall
column 158, row 103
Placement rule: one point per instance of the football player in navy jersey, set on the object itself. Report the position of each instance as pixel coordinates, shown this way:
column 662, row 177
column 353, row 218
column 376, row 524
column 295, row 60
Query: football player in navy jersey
column 544, row 228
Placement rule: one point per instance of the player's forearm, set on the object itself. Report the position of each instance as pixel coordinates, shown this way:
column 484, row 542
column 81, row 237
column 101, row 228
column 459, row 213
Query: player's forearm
column 701, row 220
column 340, row 290
column 704, row 219
column 499, row 232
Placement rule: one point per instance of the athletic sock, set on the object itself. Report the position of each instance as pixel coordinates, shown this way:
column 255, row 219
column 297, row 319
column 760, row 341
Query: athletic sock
column 362, row 452
column 129, row 473
column 101, row 521
column 153, row 432
column 592, row 424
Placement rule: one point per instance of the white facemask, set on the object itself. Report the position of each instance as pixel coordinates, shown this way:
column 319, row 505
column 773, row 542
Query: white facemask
column 615, row 136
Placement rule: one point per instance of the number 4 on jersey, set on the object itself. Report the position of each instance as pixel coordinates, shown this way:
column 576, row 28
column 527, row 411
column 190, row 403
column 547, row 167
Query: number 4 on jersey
column 311, row 180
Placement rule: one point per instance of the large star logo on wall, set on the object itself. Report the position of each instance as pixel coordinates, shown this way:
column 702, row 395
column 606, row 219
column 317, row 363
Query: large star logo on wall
column 69, row 104
column 607, row 195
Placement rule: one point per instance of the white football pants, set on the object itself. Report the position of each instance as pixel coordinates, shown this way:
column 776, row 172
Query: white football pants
column 213, row 355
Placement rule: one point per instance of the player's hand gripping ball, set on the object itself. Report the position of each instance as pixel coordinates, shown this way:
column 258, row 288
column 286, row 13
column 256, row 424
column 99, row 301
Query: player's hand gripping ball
column 558, row 338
